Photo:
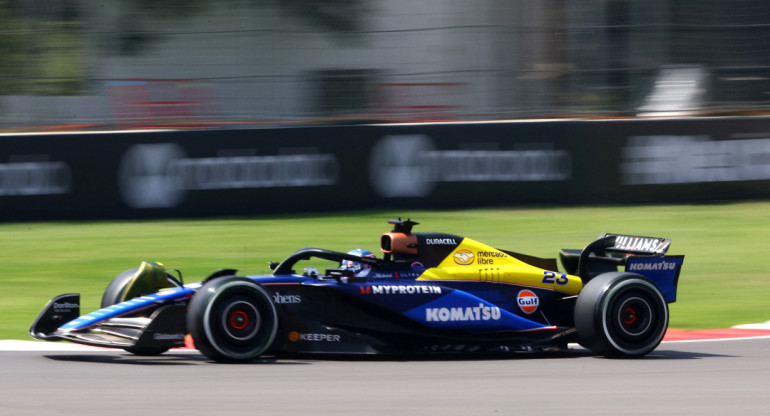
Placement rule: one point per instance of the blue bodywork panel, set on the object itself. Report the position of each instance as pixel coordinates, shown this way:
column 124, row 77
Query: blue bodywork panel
column 130, row 306
column 664, row 271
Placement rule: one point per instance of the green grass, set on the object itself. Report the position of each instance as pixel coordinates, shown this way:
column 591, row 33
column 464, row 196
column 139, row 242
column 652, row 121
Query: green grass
column 724, row 281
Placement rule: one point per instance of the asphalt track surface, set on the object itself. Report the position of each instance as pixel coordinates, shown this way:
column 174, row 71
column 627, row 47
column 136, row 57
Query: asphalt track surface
column 682, row 378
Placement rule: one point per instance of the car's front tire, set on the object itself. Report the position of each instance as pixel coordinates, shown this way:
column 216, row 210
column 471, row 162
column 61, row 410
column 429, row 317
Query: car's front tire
column 114, row 292
column 232, row 319
column 114, row 295
column 621, row 315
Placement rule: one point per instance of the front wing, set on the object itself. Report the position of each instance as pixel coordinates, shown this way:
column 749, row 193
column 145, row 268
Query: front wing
column 163, row 328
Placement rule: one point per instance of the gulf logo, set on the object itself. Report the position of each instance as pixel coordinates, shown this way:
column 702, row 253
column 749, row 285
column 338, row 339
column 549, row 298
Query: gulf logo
column 528, row 301
column 464, row 257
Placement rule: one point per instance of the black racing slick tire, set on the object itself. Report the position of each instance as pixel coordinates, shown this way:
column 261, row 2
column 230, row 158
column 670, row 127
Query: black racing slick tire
column 117, row 287
column 621, row 315
column 113, row 295
column 232, row 319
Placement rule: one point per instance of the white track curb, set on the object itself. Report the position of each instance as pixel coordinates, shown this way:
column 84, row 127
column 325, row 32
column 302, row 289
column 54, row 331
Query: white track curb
column 765, row 325
column 17, row 345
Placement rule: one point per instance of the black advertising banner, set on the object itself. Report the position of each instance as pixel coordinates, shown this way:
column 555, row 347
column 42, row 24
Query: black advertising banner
column 687, row 160
column 474, row 164
column 165, row 174
column 174, row 174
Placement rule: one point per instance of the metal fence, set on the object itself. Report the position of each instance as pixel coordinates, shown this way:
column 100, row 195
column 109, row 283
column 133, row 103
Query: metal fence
column 231, row 63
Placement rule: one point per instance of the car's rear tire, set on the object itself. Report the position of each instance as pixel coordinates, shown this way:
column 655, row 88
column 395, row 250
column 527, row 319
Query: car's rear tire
column 621, row 315
column 232, row 319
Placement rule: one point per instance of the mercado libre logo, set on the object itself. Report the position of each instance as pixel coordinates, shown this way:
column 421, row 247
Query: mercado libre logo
column 528, row 301
column 464, row 257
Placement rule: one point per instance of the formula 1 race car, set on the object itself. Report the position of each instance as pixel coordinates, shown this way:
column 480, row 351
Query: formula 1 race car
column 430, row 293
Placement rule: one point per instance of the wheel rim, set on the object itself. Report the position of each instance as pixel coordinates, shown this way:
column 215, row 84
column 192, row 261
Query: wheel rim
column 240, row 321
column 634, row 317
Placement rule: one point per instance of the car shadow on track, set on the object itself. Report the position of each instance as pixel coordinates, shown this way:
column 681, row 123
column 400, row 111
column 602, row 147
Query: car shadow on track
column 191, row 358
column 167, row 359
column 550, row 355
column 682, row 355
column 661, row 353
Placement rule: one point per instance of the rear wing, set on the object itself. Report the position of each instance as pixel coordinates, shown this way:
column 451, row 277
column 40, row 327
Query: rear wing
column 645, row 256
column 637, row 245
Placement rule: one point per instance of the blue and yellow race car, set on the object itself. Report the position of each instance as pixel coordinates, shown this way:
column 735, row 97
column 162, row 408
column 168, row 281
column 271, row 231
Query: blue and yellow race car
column 429, row 293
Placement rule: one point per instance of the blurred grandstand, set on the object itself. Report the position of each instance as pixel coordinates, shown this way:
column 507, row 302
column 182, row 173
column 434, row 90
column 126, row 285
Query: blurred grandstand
column 84, row 64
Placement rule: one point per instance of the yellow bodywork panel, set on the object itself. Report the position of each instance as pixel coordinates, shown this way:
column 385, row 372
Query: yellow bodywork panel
column 474, row 261
column 149, row 278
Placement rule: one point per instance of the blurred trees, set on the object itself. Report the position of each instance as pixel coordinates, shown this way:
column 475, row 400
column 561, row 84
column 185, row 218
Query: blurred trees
column 41, row 50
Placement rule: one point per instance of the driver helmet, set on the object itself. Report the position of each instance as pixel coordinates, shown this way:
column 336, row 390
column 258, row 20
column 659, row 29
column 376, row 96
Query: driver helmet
column 355, row 266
